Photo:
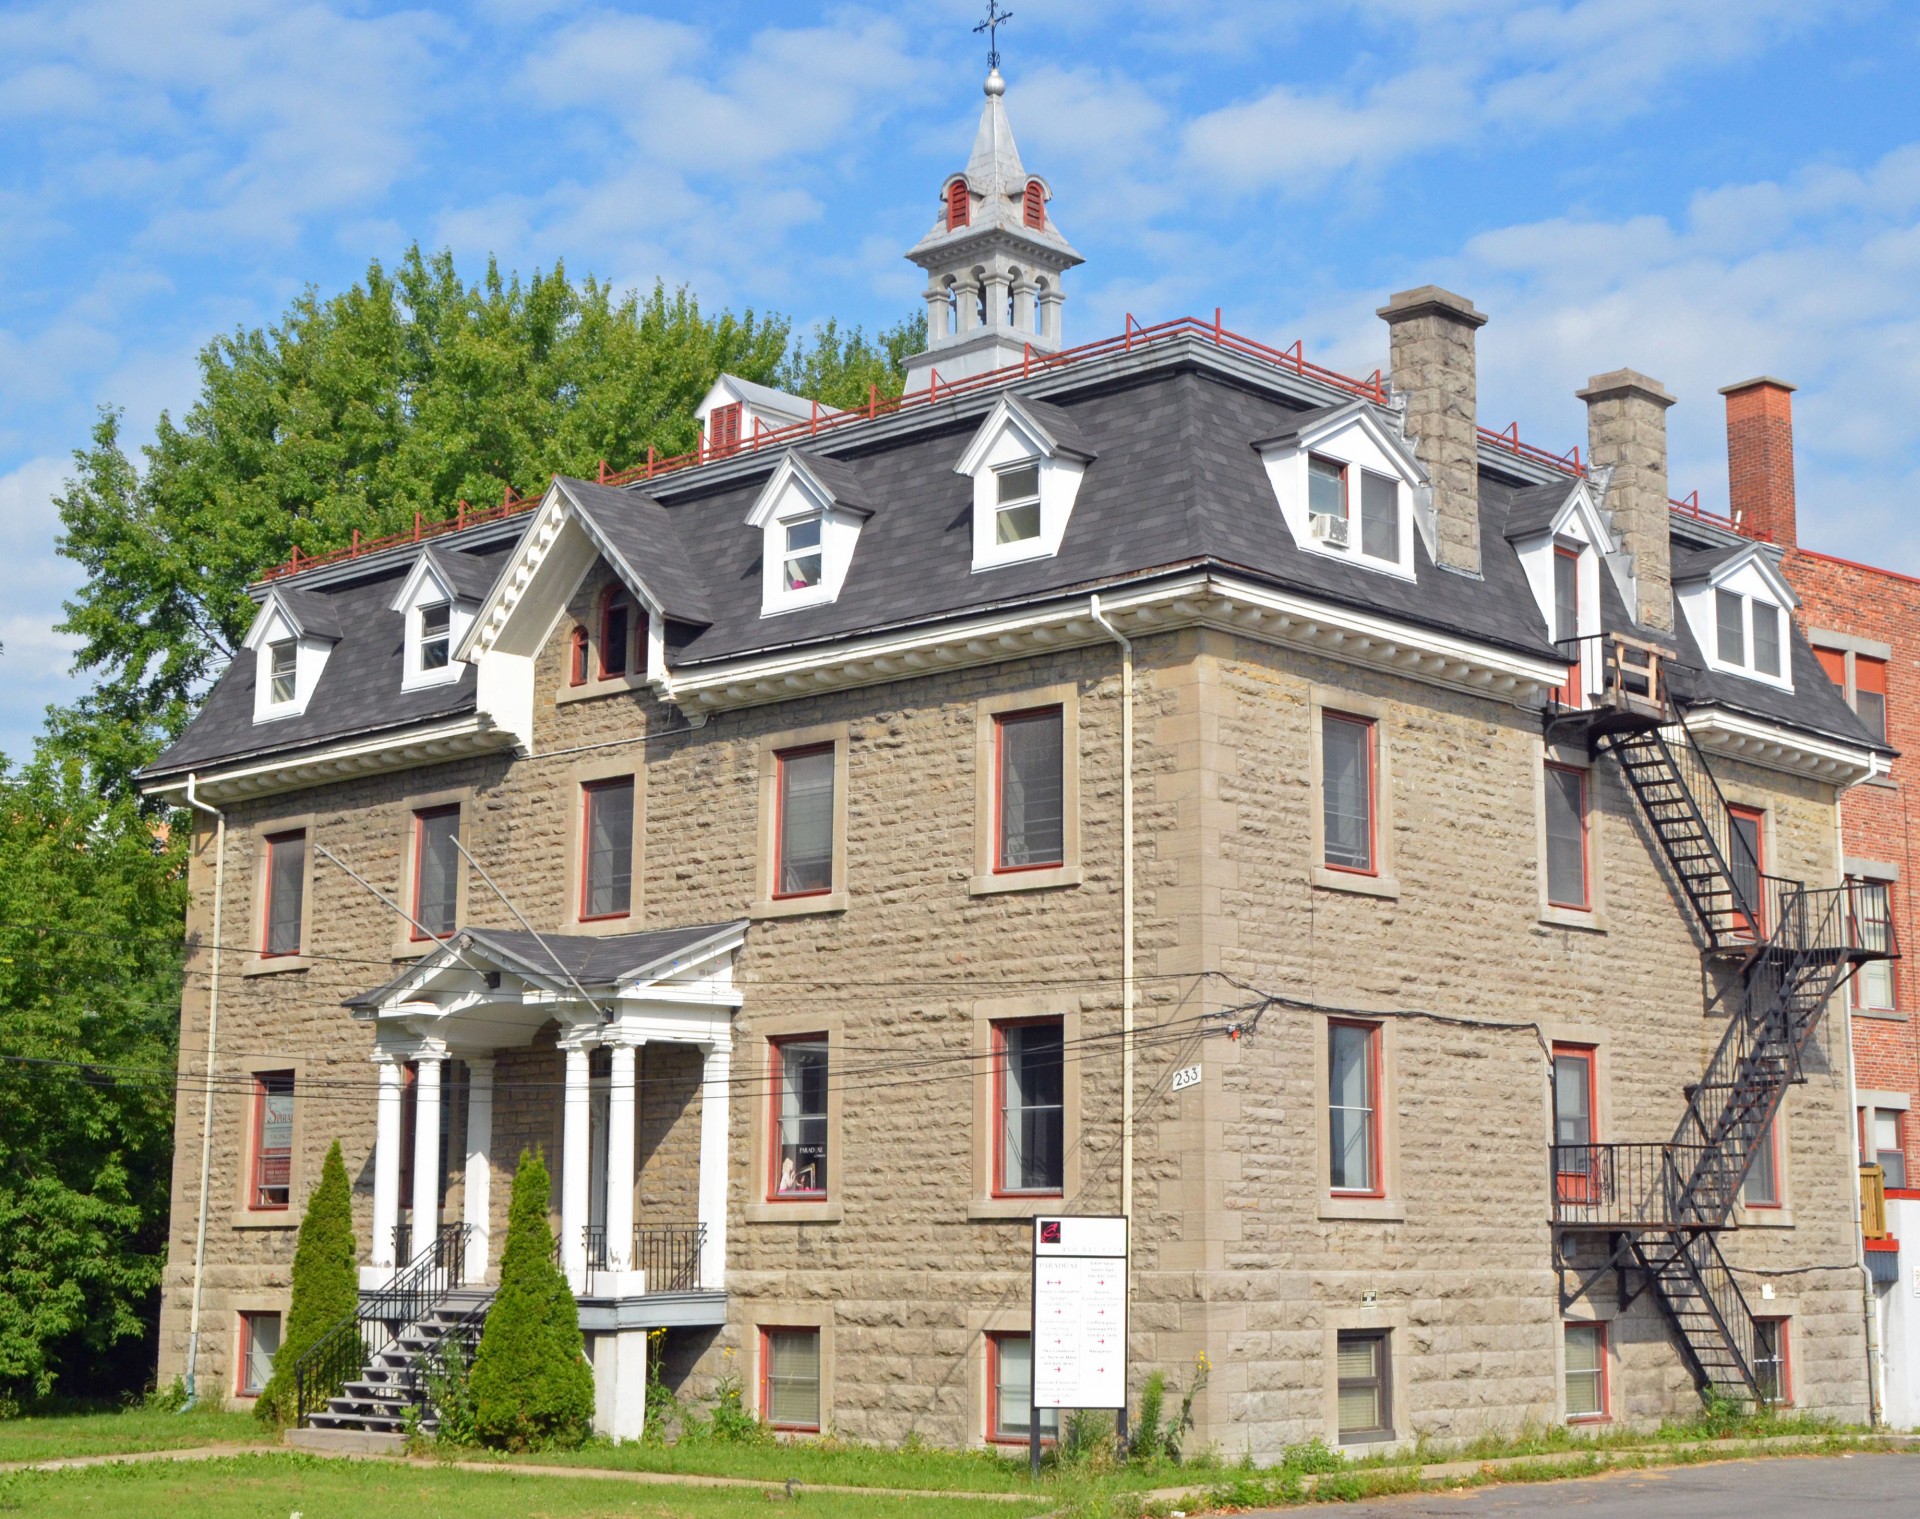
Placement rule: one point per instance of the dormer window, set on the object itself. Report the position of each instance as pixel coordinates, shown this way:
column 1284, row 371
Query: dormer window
column 283, row 658
column 1379, row 516
column 1737, row 610
column 1327, row 500
column 1348, row 487
column 1017, row 512
column 958, row 208
column 1034, row 205
column 723, row 430
column 801, row 563
column 436, row 636
column 1733, row 616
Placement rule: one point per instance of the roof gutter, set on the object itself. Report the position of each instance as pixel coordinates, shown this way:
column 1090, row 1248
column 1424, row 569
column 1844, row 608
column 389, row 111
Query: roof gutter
column 206, row 1113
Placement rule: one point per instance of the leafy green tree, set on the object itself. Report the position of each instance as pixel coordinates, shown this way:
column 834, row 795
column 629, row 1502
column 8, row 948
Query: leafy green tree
column 532, row 1386
column 91, row 897
column 326, row 1285
column 408, row 393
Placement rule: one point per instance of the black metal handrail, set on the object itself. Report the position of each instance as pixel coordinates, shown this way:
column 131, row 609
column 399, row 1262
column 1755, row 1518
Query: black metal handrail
column 345, row 1349
column 1619, row 1185
column 670, row 1255
column 1613, row 670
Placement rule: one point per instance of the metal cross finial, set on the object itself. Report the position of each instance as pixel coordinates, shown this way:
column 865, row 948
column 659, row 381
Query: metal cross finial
column 996, row 18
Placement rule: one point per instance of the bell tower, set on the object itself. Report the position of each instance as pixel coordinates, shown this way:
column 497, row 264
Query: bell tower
column 994, row 258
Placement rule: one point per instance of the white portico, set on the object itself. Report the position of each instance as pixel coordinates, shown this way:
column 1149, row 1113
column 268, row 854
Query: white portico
column 488, row 992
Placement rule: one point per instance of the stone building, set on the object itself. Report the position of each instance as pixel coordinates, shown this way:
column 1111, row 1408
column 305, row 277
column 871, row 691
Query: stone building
column 1864, row 625
column 829, row 849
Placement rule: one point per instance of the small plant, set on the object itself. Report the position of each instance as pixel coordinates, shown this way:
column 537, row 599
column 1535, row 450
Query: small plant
column 663, row 1408
column 1145, row 1445
column 1087, row 1439
column 165, row 1400
column 732, row 1423
column 450, row 1395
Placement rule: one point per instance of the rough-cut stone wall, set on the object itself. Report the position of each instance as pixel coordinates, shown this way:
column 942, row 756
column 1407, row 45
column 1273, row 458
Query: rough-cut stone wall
column 1233, row 1258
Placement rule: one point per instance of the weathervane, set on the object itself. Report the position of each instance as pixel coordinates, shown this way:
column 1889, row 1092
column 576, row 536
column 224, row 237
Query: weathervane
column 996, row 18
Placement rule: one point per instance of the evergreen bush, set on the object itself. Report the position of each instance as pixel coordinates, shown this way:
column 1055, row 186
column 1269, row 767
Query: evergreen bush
column 532, row 1386
column 326, row 1285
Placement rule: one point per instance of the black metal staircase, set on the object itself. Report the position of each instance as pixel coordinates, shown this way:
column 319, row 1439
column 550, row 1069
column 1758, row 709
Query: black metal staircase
column 1784, row 951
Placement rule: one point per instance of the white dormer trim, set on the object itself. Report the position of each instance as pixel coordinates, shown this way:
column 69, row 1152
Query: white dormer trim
column 771, row 409
column 277, row 623
column 1581, row 528
column 1354, row 437
column 795, row 497
column 1752, row 575
column 1010, row 438
column 425, row 587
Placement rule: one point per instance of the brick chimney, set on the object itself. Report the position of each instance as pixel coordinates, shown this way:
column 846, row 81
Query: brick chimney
column 1432, row 364
column 1760, row 457
column 1627, row 433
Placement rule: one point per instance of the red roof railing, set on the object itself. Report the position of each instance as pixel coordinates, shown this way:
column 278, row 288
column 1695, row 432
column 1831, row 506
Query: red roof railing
column 1133, row 336
column 1689, row 506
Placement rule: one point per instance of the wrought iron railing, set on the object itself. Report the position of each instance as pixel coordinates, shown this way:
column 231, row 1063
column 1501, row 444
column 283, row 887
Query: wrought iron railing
column 1619, row 1185
column 670, row 1255
column 1714, row 1278
column 344, row 1350
column 1613, row 670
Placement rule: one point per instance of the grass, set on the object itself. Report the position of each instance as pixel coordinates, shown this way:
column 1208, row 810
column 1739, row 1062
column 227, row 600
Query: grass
column 52, row 1436
column 253, row 1486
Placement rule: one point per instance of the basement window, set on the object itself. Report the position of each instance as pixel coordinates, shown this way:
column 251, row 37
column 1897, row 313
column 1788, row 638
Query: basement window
column 1365, row 1401
column 259, row 1344
column 1586, row 1374
column 790, row 1378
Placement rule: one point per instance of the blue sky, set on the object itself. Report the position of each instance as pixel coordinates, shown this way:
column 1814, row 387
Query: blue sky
column 1703, row 189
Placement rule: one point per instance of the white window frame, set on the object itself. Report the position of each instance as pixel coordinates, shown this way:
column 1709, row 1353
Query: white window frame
column 1360, row 444
column 422, row 590
column 1011, row 438
column 1753, row 577
column 791, row 495
column 273, row 628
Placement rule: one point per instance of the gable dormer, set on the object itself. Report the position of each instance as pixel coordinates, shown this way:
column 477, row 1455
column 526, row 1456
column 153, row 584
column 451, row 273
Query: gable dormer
column 1565, row 542
column 438, row 617
column 292, row 636
column 1025, row 461
column 1739, row 608
column 1350, row 488
column 809, row 514
column 736, row 412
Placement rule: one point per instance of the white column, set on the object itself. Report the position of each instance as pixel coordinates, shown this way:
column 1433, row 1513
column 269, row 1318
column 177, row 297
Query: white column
column 426, row 1153
column 386, row 1161
column 620, row 1145
column 478, row 1190
column 715, row 1108
column 576, row 1162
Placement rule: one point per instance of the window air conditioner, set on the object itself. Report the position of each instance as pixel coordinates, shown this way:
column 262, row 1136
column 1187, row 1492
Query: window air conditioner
column 1330, row 529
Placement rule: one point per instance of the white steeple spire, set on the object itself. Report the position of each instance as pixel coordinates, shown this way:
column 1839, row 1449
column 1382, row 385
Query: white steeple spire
column 993, row 257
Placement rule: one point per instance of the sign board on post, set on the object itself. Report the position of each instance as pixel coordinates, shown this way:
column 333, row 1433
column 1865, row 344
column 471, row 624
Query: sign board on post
column 1079, row 1316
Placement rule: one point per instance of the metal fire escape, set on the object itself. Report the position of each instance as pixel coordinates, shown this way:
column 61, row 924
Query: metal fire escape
column 1778, row 952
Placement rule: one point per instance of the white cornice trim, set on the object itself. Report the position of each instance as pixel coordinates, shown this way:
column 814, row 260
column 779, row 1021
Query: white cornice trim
column 1761, row 743
column 404, row 749
column 1192, row 600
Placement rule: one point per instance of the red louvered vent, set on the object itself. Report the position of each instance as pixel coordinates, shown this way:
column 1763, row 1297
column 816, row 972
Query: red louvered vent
column 959, row 212
column 1036, row 204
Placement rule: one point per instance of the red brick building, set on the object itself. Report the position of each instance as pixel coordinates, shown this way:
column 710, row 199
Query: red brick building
column 1864, row 625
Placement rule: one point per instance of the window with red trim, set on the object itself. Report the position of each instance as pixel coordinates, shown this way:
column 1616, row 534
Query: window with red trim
column 1010, row 1391
column 790, row 1378
column 1586, row 1374
column 1568, row 883
column 1575, row 1101
column 723, row 429
column 803, row 822
column 436, row 871
column 1747, row 859
column 1353, row 1108
column 1029, row 1105
column 606, row 848
column 578, row 666
column 1772, row 1361
column 1566, row 623
column 1870, row 903
column 797, row 1092
column 259, row 1344
column 1870, row 694
column 286, row 877
column 272, row 1180
column 616, row 632
column 1761, row 1189
column 1029, row 789
column 1834, row 662
column 1347, row 801
column 1034, row 205
column 959, row 206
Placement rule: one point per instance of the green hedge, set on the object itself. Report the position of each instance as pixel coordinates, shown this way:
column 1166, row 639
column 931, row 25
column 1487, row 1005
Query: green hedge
column 326, row 1284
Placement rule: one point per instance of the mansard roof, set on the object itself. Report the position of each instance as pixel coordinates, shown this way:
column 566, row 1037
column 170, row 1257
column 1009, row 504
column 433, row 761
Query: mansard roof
column 1174, row 485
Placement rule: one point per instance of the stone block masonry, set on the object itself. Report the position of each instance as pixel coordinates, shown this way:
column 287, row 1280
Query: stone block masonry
column 1238, row 1253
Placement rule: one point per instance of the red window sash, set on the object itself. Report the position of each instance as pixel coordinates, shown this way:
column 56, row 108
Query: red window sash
column 999, row 1173
column 276, row 841
column 578, row 659
column 1869, row 674
column 265, row 1163
column 1834, row 662
column 776, row 1078
column 1373, row 796
column 420, row 820
column 1376, row 1159
column 1585, row 904
column 994, row 1437
column 1606, row 1377
column 1578, row 1186
column 1755, row 926
column 1573, row 693
column 1000, row 723
column 589, row 790
column 780, row 822
column 767, row 1333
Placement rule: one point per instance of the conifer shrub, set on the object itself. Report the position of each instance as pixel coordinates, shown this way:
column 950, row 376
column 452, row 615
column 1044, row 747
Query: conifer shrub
column 326, row 1286
column 532, row 1386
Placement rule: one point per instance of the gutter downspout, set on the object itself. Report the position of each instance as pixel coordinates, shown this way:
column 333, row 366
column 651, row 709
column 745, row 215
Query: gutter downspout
column 206, row 1117
column 1126, row 905
column 1870, row 1309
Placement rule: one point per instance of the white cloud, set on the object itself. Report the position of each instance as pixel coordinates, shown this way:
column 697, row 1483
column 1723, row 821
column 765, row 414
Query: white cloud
column 35, row 661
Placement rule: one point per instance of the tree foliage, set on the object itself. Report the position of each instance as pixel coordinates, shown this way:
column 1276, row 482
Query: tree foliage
column 326, row 1285
column 91, row 898
column 410, row 392
column 532, row 1386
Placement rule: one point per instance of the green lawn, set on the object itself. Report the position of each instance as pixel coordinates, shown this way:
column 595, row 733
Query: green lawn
column 274, row 1486
column 47, row 1438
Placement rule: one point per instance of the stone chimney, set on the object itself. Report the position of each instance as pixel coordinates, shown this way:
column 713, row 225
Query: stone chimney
column 1432, row 364
column 1627, row 435
column 1760, row 458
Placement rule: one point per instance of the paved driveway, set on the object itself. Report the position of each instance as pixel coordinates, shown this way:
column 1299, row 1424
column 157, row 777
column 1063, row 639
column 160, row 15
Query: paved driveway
column 1812, row 1487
